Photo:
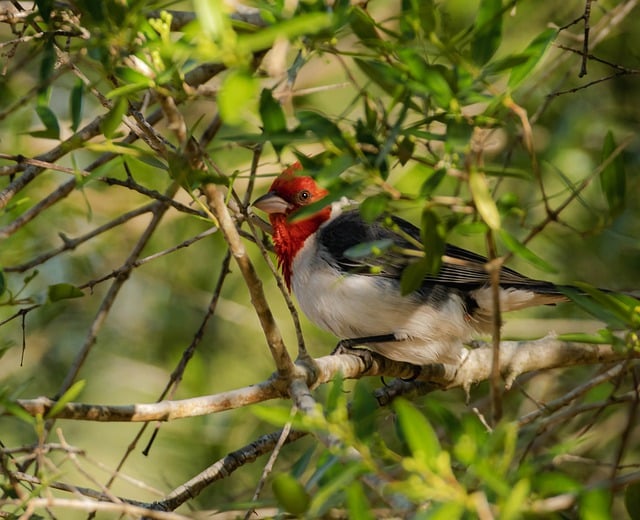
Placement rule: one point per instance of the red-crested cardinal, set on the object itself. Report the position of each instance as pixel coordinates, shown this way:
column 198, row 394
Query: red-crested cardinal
column 365, row 306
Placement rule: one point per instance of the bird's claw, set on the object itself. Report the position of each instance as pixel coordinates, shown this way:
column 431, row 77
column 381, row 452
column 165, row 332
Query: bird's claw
column 347, row 346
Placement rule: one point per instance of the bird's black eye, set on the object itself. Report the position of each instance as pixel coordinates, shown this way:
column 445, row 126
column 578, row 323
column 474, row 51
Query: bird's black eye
column 304, row 197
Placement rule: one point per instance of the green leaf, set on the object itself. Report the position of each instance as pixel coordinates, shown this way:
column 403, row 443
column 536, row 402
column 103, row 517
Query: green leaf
column 413, row 275
column 357, row 503
column 364, row 27
column 594, row 505
column 372, row 207
column 534, row 53
column 518, row 248
column 432, row 182
column 418, row 16
column 590, row 304
column 300, row 25
column 488, row 32
column 237, row 93
column 366, row 249
column 3, row 283
column 70, row 395
column 405, row 149
column 613, row 180
column 322, row 127
column 44, row 8
column 515, row 501
column 387, row 77
column 273, row 119
column 632, row 500
column 485, row 204
column 417, row 432
column 63, row 291
column 433, row 236
column 75, row 104
column 112, row 120
column 50, row 121
column 47, row 65
column 364, row 411
column 290, row 494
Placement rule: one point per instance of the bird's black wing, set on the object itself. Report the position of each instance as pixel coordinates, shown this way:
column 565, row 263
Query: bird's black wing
column 384, row 251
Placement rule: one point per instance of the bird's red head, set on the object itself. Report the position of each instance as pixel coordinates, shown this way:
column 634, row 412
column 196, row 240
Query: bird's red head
column 289, row 192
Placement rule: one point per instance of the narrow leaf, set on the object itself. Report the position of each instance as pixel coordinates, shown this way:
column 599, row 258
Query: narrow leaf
column 518, row 248
column 364, row 27
column 290, row 494
column 418, row 432
column 63, row 291
column 365, row 249
column 273, row 119
column 488, row 31
column 534, row 53
column 47, row 64
column 613, row 179
column 357, row 503
column 413, row 275
column 485, row 204
column 50, row 121
column 632, row 500
column 44, row 8
column 70, row 395
column 433, row 236
column 75, row 104
column 112, row 120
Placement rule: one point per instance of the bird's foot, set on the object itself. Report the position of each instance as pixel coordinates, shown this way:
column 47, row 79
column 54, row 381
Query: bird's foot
column 346, row 347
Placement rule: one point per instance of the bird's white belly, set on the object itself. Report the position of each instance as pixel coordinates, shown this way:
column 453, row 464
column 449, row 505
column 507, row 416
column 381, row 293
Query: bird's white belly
column 355, row 306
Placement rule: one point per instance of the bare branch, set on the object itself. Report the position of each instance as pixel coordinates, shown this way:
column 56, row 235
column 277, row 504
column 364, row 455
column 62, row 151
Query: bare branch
column 516, row 358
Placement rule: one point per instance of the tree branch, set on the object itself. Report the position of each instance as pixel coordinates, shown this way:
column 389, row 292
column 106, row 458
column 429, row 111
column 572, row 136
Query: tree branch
column 516, row 358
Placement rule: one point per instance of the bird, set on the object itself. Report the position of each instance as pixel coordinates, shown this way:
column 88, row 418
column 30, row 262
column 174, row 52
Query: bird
column 358, row 298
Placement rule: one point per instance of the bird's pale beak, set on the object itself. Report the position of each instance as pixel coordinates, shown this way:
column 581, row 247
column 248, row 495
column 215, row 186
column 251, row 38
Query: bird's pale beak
column 272, row 203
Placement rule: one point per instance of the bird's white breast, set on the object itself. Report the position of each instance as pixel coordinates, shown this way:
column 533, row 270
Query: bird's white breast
column 355, row 305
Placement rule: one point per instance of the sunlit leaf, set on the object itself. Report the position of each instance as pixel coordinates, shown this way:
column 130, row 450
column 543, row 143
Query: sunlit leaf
column 372, row 207
column 63, row 291
column 534, row 53
column 112, row 120
column 237, row 94
column 595, row 505
column 613, row 179
column 70, row 395
column 485, row 204
column 357, row 503
column 417, row 432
